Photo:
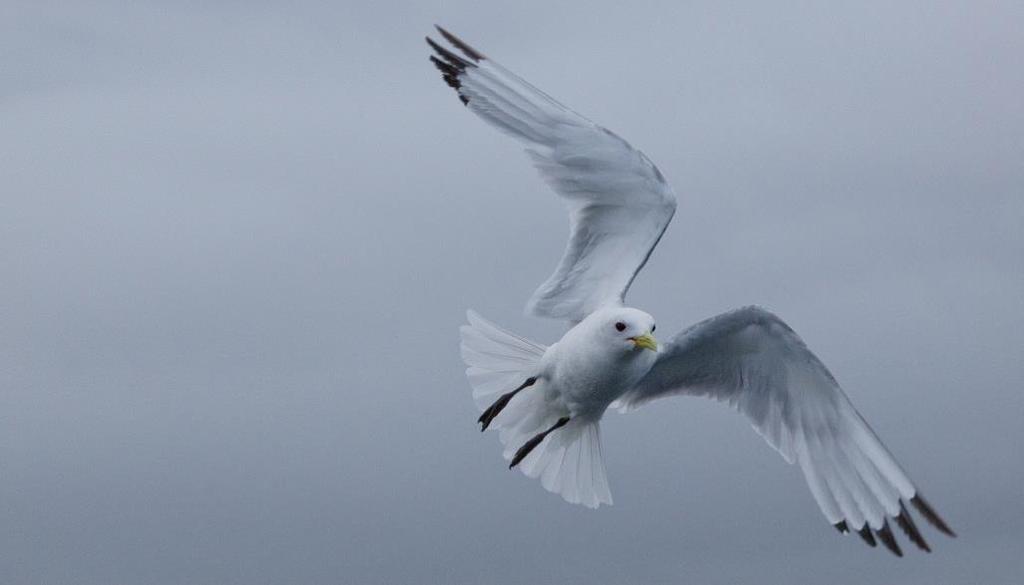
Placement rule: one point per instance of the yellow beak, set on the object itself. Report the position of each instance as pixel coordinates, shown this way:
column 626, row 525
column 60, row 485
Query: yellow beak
column 646, row 341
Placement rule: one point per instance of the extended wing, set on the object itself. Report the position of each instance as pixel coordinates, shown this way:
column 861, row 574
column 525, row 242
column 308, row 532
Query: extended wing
column 751, row 359
column 619, row 203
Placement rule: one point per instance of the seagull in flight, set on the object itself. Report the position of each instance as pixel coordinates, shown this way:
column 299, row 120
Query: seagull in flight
column 547, row 401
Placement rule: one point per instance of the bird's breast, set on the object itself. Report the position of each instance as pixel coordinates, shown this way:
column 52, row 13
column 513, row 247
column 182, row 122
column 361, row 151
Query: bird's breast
column 590, row 381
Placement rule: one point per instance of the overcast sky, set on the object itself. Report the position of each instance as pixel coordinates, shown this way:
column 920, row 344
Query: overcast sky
column 237, row 240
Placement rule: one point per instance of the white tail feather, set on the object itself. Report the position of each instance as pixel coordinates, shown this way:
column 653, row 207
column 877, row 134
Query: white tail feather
column 497, row 360
column 568, row 462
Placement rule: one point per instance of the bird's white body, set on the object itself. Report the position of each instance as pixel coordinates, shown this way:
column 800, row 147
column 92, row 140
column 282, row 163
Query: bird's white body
column 547, row 402
column 593, row 364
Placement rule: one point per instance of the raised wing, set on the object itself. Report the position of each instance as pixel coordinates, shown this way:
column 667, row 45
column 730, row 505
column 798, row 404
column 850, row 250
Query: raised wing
column 751, row 359
column 619, row 203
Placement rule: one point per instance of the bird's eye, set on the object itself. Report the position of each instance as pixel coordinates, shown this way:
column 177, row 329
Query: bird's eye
column 620, row 326
column 653, row 327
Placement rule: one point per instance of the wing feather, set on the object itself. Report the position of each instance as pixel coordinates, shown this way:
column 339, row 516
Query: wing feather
column 619, row 202
column 752, row 360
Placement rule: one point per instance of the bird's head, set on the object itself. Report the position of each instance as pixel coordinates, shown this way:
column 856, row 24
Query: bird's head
column 630, row 329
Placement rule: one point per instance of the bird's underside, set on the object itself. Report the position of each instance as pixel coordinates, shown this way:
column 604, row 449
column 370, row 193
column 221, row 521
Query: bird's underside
column 619, row 206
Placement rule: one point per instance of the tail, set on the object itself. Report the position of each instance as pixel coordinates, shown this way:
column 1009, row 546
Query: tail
column 568, row 462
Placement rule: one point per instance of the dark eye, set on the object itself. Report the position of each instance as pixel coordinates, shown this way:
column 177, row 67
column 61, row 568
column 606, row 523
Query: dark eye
column 620, row 326
column 653, row 327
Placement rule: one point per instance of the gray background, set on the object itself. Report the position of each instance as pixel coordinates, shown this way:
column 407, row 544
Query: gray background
column 237, row 238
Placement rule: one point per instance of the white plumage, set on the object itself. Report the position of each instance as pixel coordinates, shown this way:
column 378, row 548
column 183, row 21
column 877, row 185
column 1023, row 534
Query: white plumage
column 619, row 203
column 547, row 402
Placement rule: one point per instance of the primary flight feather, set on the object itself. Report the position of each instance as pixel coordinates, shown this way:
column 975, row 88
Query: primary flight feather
column 547, row 402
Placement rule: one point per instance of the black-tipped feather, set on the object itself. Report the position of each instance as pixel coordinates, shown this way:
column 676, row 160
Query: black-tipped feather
column 444, row 67
column 885, row 535
column 453, row 59
column 906, row 523
column 930, row 515
column 448, row 73
column 462, row 46
column 865, row 533
column 451, row 67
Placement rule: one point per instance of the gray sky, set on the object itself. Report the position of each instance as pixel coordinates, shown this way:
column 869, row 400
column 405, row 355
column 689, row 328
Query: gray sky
column 237, row 240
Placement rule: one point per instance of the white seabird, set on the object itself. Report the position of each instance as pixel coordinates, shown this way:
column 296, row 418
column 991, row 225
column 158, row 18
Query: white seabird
column 547, row 402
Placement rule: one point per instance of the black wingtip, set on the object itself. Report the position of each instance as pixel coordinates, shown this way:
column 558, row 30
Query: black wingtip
column 451, row 67
column 460, row 44
column 907, row 525
column 931, row 515
column 905, row 522
column 448, row 73
column 454, row 60
column 885, row 535
column 865, row 534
